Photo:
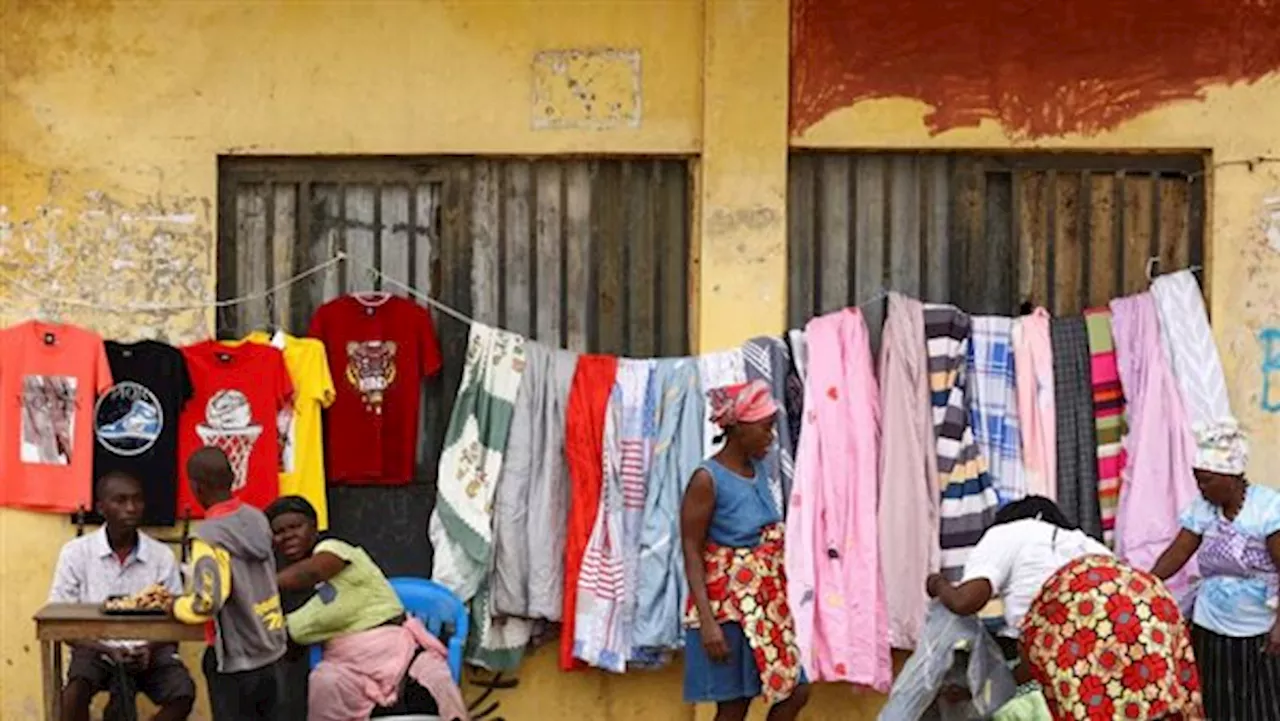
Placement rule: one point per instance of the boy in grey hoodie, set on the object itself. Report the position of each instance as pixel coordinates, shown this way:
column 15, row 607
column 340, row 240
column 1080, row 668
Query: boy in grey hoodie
column 233, row 591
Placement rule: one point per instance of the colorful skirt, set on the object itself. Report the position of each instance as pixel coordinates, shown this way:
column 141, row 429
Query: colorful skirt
column 1241, row 682
column 1106, row 641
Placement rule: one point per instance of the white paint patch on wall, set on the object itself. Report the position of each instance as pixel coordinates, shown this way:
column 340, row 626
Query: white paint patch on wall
column 586, row 89
column 1271, row 221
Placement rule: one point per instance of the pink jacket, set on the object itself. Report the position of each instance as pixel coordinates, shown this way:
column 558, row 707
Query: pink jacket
column 908, row 514
column 1157, row 481
column 363, row 670
column 1033, row 363
column 832, row 547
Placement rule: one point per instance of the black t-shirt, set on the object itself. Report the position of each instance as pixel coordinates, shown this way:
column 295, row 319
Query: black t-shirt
column 135, row 423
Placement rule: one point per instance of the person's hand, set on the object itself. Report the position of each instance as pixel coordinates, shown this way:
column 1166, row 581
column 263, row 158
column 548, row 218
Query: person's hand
column 933, row 583
column 1273, row 640
column 713, row 640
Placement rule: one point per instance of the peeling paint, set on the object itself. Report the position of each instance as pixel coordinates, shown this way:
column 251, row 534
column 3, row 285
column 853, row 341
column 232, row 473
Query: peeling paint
column 586, row 89
column 1271, row 221
column 156, row 251
column 723, row 221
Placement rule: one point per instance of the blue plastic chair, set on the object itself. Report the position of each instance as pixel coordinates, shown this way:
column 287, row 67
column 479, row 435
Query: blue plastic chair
column 438, row 609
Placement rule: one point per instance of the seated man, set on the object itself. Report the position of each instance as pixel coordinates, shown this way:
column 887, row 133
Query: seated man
column 371, row 647
column 118, row 560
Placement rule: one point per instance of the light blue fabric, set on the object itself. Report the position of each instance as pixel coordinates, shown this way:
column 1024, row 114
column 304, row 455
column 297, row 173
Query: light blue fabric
column 981, row 670
column 677, row 409
column 1229, row 605
column 744, row 506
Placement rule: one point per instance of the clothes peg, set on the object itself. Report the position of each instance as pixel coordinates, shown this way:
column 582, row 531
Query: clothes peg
column 1153, row 263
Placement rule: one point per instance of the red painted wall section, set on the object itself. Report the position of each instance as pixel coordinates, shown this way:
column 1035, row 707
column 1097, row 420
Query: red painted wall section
column 1038, row 67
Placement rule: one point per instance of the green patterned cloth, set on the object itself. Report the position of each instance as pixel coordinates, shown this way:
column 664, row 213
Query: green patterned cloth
column 1028, row 705
column 461, row 528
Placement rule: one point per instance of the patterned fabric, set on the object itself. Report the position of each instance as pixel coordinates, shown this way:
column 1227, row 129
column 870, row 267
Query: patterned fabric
column 795, row 388
column 718, row 370
column 769, row 360
column 1107, row 641
column 1240, row 682
column 1158, row 481
column 461, row 526
column 1108, row 416
column 1222, row 447
column 907, row 517
column 833, row 553
column 993, row 400
column 1033, row 349
column 969, row 502
column 531, row 502
column 1192, row 352
column 1077, row 446
column 606, row 587
column 748, row 586
column 677, row 451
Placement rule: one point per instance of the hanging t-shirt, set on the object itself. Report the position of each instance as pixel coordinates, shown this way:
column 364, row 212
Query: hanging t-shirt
column 301, row 437
column 239, row 391
column 135, row 422
column 50, row 375
column 381, row 351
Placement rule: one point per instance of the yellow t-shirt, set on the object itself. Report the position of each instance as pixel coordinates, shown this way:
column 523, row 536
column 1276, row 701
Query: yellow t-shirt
column 301, row 438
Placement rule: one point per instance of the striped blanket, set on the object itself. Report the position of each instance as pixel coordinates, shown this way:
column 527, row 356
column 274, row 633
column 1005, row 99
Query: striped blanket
column 1108, row 414
column 969, row 502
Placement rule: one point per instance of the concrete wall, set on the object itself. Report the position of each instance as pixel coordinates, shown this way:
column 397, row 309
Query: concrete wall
column 112, row 115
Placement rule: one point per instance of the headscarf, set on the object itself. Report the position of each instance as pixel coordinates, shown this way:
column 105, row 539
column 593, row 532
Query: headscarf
column 741, row 403
column 291, row 504
column 1222, row 447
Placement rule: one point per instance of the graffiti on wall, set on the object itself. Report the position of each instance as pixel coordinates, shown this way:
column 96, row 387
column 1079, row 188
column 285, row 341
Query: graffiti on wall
column 1038, row 68
column 1270, row 339
column 102, row 253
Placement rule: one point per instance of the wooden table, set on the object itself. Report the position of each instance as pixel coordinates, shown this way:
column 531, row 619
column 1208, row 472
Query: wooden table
column 59, row 623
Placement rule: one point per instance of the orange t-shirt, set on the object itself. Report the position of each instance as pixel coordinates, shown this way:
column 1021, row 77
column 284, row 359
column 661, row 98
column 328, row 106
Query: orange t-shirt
column 50, row 377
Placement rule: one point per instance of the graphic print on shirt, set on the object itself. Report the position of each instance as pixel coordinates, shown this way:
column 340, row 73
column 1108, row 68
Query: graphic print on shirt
column 371, row 369
column 128, row 419
column 48, row 419
column 228, row 426
column 285, row 426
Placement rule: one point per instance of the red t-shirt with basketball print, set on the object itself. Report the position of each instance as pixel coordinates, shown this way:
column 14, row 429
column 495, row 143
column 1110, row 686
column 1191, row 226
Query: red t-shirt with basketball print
column 380, row 349
column 238, row 392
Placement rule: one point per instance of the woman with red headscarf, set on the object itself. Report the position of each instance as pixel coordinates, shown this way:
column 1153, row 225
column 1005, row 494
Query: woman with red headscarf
column 740, row 642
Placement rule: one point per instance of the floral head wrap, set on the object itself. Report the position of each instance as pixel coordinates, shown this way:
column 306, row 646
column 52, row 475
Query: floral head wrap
column 742, row 403
column 1222, row 447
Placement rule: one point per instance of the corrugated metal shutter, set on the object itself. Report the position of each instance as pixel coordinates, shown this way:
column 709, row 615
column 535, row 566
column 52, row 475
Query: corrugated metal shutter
column 586, row 254
column 987, row 232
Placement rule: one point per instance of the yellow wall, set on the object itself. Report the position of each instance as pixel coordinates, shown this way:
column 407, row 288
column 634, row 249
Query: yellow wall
column 112, row 116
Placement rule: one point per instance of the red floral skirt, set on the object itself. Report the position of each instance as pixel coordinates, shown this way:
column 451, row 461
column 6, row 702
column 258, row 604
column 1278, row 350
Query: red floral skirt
column 1106, row 641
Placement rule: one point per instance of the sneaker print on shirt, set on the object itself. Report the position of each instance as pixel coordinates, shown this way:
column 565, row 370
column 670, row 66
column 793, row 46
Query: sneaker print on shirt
column 128, row 419
column 228, row 426
column 48, row 419
column 371, row 369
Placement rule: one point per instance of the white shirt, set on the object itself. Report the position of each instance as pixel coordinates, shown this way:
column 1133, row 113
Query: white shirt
column 1018, row 557
column 88, row 571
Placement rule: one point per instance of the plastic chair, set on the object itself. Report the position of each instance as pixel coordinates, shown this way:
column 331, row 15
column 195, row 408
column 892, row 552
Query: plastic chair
column 440, row 611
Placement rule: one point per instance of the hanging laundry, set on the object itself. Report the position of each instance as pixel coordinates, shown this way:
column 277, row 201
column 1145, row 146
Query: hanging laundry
column 1193, row 354
column 1033, row 362
column 969, row 502
column 1108, row 415
column 908, row 514
column 769, row 360
column 1077, row 448
column 606, row 586
column 799, row 352
column 719, row 370
column 832, row 547
column 531, row 505
column 301, row 430
column 461, row 526
column 661, row 587
column 1157, row 481
column 50, row 373
column 584, row 448
column 993, row 400
column 795, row 390
column 135, row 423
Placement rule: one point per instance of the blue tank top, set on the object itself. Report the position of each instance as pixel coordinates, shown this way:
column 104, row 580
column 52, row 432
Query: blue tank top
column 744, row 506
